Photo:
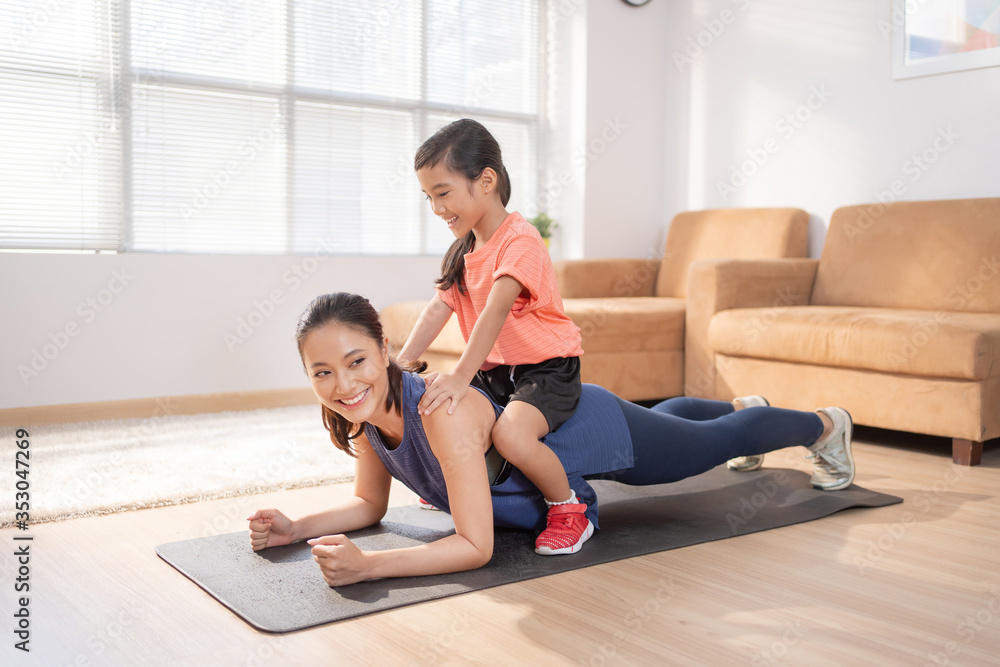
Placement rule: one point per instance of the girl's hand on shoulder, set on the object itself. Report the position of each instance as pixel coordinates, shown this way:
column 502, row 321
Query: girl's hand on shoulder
column 445, row 388
column 269, row 528
column 339, row 560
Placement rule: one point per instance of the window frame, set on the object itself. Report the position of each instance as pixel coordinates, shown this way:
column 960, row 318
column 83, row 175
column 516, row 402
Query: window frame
column 124, row 79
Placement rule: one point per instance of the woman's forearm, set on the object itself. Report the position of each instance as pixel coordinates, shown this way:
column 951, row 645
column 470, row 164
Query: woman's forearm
column 353, row 514
column 449, row 554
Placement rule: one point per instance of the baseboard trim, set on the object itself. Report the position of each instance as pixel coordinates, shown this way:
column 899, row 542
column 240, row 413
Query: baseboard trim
column 141, row 408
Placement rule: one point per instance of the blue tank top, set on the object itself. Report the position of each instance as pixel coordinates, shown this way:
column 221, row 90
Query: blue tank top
column 594, row 440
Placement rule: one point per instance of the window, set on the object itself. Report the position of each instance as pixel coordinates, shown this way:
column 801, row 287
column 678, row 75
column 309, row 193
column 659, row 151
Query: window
column 251, row 126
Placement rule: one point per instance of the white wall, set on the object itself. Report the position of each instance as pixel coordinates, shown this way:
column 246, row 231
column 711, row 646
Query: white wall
column 774, row 58
column 83, row 328
column 627, row 105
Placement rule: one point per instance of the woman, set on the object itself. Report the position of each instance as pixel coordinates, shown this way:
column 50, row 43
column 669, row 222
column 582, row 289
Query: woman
column 370, row 404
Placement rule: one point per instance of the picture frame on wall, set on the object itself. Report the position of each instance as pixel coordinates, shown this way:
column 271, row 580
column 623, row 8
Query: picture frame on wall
column 940, row 36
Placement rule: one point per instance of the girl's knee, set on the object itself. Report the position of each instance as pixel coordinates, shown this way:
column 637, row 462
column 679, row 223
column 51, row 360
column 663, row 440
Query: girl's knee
column 513, row 442
column 504, row 431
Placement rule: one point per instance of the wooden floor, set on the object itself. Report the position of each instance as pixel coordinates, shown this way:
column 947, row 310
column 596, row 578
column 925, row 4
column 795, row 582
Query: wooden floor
column 912, row 584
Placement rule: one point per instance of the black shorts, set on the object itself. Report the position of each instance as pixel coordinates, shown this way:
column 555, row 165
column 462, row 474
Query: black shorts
column 553, row 386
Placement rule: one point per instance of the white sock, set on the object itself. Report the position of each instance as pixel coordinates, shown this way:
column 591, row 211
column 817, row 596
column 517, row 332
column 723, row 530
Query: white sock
column 572, row 499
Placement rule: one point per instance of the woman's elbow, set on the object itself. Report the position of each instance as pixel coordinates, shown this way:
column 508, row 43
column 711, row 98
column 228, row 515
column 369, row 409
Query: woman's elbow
column 373, row 512
column 473, row 554
column 483, row 555
column 377, row 514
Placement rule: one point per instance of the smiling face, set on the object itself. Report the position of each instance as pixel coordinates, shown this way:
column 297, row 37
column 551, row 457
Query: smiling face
column 453, row 198
column 347, row 370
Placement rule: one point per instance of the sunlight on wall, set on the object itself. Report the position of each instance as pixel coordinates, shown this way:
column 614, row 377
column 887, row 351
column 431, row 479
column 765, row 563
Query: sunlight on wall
column 767, row 129
column 698, row 136
column 790, row 145
column 815, row 24
column 701, row 8
column 564, row 132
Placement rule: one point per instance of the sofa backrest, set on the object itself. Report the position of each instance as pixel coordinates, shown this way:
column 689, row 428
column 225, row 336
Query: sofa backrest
column 926, row 255
column 739, row 233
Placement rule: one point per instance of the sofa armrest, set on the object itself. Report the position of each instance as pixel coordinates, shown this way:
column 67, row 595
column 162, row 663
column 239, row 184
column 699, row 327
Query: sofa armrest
column 399, row 319
column 721, row 284
column 600, row 278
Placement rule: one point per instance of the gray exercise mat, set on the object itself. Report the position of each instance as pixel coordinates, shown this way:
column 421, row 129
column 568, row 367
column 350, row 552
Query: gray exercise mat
column 280, row 589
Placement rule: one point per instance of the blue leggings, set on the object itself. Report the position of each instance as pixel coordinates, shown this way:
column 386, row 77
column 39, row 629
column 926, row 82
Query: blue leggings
column 683, row 437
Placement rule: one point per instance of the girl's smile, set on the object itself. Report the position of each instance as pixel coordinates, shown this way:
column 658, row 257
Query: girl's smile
column 464, row 205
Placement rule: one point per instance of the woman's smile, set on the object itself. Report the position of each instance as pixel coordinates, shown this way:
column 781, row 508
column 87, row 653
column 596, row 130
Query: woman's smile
column 347, row 371
column 355, row 400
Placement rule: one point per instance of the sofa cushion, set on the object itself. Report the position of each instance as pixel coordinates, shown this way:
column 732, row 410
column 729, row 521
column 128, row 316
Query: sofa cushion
column 930, row 255
column 909, row 342
column 628, row 324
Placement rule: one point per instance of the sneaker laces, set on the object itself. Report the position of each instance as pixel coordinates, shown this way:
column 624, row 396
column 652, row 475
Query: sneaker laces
column 825, row 462
column 565, row 519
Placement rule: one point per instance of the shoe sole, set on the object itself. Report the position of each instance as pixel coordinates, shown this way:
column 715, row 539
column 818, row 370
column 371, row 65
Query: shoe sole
column 756, row 466
column 848, row 441
column 545, row 551
column 766, row 404
column 760, row 463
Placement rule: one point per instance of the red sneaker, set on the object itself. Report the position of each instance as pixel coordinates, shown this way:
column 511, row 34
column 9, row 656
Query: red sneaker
column 568, row 528
column 426, row 505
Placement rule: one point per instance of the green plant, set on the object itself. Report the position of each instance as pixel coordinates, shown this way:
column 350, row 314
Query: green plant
column 544, row 224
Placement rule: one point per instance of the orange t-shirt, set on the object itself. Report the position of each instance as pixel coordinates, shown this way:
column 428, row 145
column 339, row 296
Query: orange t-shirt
column 537, row 328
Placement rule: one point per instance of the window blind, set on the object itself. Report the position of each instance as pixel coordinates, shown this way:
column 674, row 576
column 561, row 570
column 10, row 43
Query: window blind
column 60, row 126
column 252, row 126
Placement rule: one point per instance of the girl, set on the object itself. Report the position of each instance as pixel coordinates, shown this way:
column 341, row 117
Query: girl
column 521, row 348
column 371, row 408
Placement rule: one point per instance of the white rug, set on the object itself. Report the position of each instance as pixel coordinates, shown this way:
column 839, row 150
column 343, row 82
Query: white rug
column 93, row 468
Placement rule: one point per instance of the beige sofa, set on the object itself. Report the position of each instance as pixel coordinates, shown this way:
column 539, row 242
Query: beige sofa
column 631, row 312
column 898, row 321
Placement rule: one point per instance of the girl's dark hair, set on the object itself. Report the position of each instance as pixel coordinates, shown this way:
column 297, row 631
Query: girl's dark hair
column 467, row 148
column 358, row 313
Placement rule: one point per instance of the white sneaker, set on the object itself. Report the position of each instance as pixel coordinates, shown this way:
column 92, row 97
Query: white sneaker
column 833, row 463
column 748, row 463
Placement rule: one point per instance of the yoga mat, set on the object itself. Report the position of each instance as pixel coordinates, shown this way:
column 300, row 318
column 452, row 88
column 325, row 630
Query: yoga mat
column 280, row 589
